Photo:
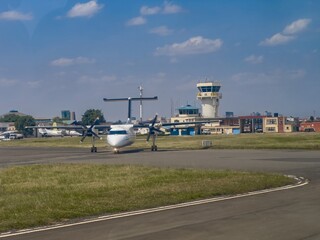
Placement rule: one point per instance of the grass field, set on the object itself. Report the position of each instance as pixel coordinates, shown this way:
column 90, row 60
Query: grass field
column 38, row 195
column 308, row 141
column 45, row 194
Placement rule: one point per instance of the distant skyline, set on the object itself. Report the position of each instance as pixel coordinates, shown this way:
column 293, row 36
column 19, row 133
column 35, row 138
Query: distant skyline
column 70, row 54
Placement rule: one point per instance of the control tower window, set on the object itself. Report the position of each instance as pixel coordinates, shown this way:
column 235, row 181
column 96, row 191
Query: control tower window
column 209, row 89
column 188, row 111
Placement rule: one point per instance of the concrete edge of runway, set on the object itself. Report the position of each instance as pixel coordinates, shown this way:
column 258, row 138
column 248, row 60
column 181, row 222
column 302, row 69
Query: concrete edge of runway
column 300, row 181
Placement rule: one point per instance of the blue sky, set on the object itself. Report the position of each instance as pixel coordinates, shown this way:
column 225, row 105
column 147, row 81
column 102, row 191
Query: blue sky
column 70, row 54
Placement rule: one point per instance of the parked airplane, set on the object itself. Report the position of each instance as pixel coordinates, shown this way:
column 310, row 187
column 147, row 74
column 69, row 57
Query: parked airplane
column 50, row 132
column 70, row 130
column 124, row 135
column 8, row 135
column 72, row 133
column 45, row 132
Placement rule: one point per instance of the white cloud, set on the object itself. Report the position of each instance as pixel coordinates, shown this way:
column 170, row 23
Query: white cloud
column 296, row 74
column 254, row 59
column 276, row 39
column 195, row 45
column 5, row 82
column 136, row 21
column 161, row 31
column 288, row 34
column 63, row 62
column 15, row 16
column 170, row 8
column 34, row 84
column 274, row 77
column 96, row 80
column 297, row 26
column 247, row 78
column 84, row 9
column 144, row 10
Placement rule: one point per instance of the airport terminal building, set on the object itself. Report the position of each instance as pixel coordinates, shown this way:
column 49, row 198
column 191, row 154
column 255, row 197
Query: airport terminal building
column 209, row 95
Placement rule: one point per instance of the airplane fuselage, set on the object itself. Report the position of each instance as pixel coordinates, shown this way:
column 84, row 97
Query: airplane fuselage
column 121, row 136
column 50, row 133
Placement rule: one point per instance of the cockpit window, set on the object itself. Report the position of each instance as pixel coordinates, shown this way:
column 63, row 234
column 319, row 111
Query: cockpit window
column 117, row 132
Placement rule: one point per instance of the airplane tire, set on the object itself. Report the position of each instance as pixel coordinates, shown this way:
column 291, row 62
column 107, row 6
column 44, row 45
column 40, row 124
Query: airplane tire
column 95, row 149
column 91, row 149
column 156, row 148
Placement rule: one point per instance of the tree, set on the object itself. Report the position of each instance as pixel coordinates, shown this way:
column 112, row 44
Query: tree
column 57, row 120
column 24, row 121
column 90, row 116
column 9, row 118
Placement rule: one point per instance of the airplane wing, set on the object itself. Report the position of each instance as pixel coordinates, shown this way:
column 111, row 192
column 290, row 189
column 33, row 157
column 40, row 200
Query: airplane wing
column 147, row 125
column 70, row 127
column 183, row 123
column 154, row 128
column 58, row 127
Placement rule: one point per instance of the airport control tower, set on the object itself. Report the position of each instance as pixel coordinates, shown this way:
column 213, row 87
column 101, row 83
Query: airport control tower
column 209, row 96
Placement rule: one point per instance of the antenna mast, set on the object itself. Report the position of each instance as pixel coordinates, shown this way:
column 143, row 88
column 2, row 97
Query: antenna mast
column 141, row 93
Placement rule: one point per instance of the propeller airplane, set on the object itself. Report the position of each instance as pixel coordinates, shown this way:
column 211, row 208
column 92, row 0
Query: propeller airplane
column 122, row 135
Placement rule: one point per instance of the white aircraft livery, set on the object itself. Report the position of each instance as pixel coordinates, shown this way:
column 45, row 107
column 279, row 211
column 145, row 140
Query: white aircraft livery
column 121, row 136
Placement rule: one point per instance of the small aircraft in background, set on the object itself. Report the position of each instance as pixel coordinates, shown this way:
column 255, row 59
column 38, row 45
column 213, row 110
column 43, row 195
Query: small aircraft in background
column 72, row 130
column 9, row 135
column 53, row 131
column 45, row 132
column 72, row 133
column 57, row 133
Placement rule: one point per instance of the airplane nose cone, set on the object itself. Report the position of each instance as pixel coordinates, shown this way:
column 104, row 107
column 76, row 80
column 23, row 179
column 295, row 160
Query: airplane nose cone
column 117, row 141
column 112, row 141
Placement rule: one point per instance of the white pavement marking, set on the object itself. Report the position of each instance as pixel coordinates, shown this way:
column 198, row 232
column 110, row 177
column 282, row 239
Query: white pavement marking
column 300, row 182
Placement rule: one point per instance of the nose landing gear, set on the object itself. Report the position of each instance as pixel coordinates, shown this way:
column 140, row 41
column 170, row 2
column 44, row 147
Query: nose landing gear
column 116, row 151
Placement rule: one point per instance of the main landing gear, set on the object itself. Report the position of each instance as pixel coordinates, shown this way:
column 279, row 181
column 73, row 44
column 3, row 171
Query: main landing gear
column 94, row 149
column 154, row 147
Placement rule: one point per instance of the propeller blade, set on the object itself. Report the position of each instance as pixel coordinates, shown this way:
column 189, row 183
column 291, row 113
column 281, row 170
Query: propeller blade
column 83, row 138
column 148, row 138
column 96, row 135
column 154, row 120
column 151, row 127
column 94, row 123
column 90, row 128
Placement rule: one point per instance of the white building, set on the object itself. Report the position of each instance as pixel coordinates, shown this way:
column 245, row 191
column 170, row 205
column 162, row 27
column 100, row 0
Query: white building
column 209, row 96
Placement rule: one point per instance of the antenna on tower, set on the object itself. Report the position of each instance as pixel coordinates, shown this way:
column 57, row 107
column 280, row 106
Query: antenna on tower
column 141, row 94
column 172, row 107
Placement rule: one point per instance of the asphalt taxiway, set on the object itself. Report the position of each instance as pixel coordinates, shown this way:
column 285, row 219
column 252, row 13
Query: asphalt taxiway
column 289, row 214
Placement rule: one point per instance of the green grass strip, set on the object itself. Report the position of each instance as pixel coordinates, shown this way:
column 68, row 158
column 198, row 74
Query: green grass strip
column 45, row 194
column 307, row 141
